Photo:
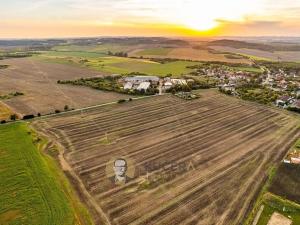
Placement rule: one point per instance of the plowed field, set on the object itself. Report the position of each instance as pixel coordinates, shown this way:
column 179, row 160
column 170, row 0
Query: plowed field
column 196, row 162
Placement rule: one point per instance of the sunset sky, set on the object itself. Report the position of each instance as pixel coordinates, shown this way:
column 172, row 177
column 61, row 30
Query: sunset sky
column 68, row 18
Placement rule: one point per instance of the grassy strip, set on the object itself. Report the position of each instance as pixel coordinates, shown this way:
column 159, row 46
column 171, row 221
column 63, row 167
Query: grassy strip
column 11, row 95
column 33, row 189
column 259, row 201
column 154, row 51
column 274, row 203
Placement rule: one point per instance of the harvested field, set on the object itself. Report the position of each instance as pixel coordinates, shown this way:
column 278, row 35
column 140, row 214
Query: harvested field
column 196, row 162
column 119, row 65
column 38, row 81
column 259, row 54
column 186, row 54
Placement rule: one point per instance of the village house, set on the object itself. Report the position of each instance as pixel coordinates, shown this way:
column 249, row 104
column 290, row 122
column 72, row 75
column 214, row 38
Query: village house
column 297, row 93
column 284, row 101
column 229, row 87
column 296, row 104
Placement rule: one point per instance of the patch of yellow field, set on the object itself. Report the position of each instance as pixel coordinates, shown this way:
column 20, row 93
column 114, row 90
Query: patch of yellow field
column 10, row 216
column 201, row 55
column 5, row 112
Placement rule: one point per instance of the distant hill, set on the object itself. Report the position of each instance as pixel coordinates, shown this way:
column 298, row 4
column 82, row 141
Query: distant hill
column 43, row 43
column 259, row 46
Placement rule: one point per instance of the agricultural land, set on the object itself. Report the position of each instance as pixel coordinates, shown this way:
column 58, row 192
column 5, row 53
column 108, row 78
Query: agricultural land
column 205, row 159
column 37, row 80
column 33, row 188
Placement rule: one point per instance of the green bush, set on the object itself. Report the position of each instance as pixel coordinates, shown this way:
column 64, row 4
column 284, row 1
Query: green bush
column 121, row 101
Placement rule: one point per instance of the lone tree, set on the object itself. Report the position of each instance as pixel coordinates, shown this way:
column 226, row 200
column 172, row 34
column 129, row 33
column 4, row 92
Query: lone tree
column 66, row 108
column 13, row 117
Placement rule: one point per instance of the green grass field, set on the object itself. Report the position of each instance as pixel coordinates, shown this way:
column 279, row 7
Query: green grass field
column 248, row 69
column 120, row 65
column 128, row 65
column 75, row 54
column 96, row 57
column 33, row 189
column 101, row 48
column 154, row 51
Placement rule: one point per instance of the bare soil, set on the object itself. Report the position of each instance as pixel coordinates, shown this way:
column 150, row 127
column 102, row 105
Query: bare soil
column 192, row 54
column 38, row 81
column 196, row 162
column 278, row 219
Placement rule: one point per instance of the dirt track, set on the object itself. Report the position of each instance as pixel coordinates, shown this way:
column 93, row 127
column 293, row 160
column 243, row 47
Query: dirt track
column 38, row 81
column 196, row 162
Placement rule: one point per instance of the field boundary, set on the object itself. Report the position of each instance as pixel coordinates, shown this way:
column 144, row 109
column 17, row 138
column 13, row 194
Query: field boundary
column 251, row 217
column 81, row 110
column 74, row 180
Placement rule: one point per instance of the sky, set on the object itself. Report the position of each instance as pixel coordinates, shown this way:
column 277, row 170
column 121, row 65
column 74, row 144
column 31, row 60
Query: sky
column 84, row 18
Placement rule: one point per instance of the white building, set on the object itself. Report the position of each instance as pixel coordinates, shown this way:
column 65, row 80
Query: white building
column 144, row 86
column 140, row 79
column 179, row 81
column 128, row 86
column 167, row 85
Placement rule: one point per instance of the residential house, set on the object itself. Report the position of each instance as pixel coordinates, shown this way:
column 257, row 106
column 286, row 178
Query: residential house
column 295, row 104
column 284, row 101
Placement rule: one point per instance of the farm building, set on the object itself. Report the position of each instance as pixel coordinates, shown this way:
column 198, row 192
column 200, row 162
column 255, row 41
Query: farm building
column 140, row 79
column 228, row 87
column 179, row 81
column 144, row 86
column 139, row 82
column 296, row 104
column 128, row 85
column 167, row 85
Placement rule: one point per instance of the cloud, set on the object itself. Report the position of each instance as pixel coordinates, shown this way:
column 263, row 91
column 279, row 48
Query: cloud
column 259, row 17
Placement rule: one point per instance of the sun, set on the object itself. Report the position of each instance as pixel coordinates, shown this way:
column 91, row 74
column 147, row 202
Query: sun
column 191, row 18
column 201, row 25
